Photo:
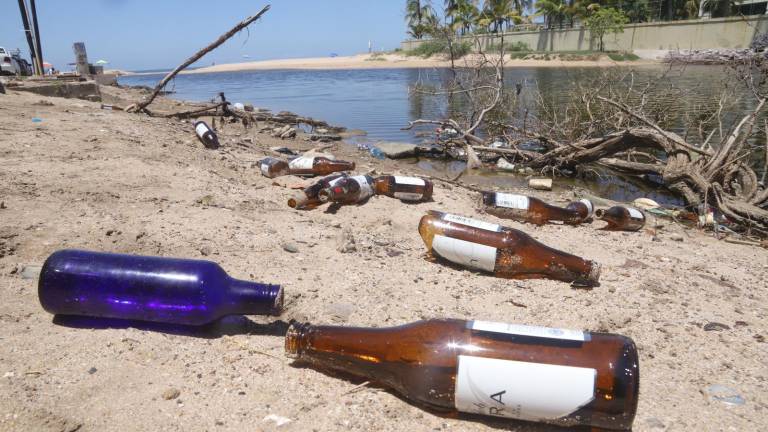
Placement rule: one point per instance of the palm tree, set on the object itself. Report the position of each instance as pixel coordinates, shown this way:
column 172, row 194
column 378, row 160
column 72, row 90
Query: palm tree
column 499, row 12
column 415, row 14
column 553, row 11
column 463, row 14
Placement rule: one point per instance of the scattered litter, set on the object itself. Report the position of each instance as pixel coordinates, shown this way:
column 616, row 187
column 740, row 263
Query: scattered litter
column 645, row 203
column 30, row 272
column 504, row 165
column 540, row 184
column 726, row 395
column 36, row 120
column 278, row 420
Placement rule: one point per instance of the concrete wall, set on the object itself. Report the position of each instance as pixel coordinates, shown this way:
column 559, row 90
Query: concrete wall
column 668, row 35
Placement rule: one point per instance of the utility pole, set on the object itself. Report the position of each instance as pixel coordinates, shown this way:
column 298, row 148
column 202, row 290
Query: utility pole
column 37, row 35
column 30, row 41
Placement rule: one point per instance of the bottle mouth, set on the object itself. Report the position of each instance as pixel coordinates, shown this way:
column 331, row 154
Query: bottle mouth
column 488, row 198
column 293, row 339
column 599, row 213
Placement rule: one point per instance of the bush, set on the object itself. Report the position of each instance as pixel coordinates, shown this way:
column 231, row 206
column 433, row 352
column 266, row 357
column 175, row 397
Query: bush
column 439, row 47
column 623, row 56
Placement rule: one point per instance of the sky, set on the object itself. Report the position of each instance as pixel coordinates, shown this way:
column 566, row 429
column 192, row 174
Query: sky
column 160, row 34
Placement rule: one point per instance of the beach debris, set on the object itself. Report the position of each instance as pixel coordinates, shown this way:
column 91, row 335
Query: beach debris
column 108, row 107
column 347, row 190
column 272, row 167
column 621, row 218
column 311, row 165
column 108, row 285
column 725, row 394
column 30, row 271
column 290, row 247
column 171, row 393
column 645, row 203
column 477, row 245
column 238, row 106
column 277, row 420
column 533, row 210
column 405, row 357
column 540, row 184
column 284, row 132
column 206, row 135
column 142, row 105
column 504, row 165
column 248, row 108
column 37, row 120
column 307, row 198
column 412, row 189
column 324, row 137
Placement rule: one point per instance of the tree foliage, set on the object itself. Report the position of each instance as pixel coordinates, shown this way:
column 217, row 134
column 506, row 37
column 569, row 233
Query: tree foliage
column 605, row 21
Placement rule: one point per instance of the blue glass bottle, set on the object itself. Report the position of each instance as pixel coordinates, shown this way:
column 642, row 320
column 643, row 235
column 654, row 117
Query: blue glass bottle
column 167, row 290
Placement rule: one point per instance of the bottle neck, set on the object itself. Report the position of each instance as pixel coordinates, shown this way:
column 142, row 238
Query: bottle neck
column 251, row 298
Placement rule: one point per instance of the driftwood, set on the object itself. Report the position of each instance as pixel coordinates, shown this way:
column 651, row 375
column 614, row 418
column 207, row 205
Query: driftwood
column 140, row 106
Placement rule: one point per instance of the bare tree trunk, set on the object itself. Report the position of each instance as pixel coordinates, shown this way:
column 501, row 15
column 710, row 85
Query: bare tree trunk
column 140, row 106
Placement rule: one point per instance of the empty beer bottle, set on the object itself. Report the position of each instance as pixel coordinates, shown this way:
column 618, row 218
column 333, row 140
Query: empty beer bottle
column 273, row 167
column 403, row 188
column 534, row 210
column 318, row 165
column 167, row 290
column 348, row 190
column 562, row 377
column 503, row 251
column 206, row 135
column 308, row 198
column 620, row 218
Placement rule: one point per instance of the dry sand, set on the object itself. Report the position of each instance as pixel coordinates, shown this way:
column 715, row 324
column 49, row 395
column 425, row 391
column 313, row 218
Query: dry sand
column 112, row 181
column 390, row 61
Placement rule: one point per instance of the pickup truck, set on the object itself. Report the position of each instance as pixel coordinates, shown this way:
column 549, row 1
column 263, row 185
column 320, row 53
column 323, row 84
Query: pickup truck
column 8, row 64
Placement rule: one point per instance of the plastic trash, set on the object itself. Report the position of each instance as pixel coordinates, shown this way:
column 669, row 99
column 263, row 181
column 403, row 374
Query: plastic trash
column 37, row 120
column 377, row 153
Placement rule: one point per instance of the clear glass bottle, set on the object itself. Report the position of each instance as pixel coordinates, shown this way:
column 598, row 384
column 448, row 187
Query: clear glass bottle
column 562, row 377
column 167, row 290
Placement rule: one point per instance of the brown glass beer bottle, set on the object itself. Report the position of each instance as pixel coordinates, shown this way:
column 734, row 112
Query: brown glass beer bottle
column 206, row 135
column 403, row 188
column 561, row 377
column 273, row 167
column 348, row 190
column 308, row 199
column 317, row 166
column 621, row 218
column 503, row 251
column 534, row 210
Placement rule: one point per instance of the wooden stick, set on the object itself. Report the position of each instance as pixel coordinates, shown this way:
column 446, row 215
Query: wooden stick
column 197, row 56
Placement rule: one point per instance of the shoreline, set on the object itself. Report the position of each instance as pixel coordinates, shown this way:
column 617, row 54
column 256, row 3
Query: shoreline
column 398, row 61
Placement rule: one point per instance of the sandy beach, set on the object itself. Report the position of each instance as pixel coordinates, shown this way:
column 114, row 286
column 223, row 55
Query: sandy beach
column 390, row 61
column 112, row 181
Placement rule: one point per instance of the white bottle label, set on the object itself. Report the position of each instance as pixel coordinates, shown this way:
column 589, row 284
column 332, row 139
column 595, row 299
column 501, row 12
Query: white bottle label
column 473, row 255
column 201, row 129
column 415, row 181
column 590, row 208
column 334, row 181
column 635, row 213
column 521, row 390
column 265, row 169
column 302, row 163
column 365, row 188
column 524, row 330
column 512, row 201
column 472, row 222
column 408, row 196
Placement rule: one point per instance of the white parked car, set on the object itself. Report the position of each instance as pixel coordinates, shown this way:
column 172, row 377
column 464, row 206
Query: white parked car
column 8, row 64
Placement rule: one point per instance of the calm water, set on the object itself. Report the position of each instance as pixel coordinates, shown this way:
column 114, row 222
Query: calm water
column 378, row 101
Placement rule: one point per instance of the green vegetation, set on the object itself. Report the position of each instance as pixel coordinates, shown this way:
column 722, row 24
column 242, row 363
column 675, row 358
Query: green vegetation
column 623, row 56
column 509, row 47
column 440, row 47
column 605, row 21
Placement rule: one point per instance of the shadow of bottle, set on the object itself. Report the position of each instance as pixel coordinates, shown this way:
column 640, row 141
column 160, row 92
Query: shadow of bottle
column 226, row 326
